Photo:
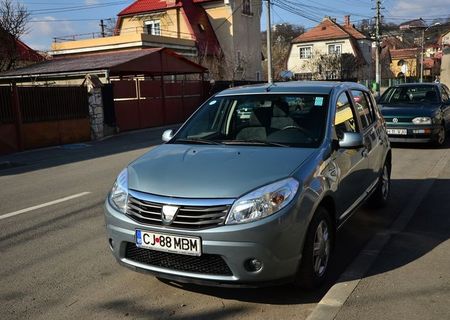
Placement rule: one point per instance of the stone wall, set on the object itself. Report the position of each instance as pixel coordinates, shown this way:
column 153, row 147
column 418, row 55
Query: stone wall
column 94, row 88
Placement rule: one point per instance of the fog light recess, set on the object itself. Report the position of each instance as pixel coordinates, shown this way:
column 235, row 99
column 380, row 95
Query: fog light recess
column 253, row 265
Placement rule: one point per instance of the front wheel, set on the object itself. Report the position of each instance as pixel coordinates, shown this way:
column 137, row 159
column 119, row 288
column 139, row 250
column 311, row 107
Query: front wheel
column 441, row 136
column 317, row 251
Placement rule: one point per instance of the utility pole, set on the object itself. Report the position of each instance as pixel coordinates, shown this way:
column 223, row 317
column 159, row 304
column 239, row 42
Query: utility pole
column 377, row 52
column 102, row 26
column 421, row 56
column 269, row 44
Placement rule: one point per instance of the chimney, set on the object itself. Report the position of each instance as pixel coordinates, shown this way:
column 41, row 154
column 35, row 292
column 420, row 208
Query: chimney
column 347, row 21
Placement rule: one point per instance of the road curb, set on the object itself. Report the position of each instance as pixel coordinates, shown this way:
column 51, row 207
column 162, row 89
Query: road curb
column 330, row 305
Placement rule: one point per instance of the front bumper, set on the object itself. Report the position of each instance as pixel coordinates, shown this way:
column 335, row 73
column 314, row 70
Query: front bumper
column 277, row 241
column 414, row 133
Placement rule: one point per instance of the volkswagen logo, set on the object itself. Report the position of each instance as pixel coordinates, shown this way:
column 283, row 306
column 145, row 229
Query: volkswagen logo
column 168, row 214
column 395, row 120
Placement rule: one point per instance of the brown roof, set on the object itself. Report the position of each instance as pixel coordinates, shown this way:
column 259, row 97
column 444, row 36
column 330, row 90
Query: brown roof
column 394, row 43
column 150, row 61
column 329, row 30
column 353, row 32
column 405, row 53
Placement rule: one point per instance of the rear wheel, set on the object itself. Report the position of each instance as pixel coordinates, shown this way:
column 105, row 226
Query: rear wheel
column 382, row 194
column 441, row 136
column 317, row 251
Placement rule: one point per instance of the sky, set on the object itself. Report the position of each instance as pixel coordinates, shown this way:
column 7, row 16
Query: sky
column 59, row 18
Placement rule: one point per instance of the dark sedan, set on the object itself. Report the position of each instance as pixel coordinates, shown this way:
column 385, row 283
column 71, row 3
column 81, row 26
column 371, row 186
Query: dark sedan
column 417, row 112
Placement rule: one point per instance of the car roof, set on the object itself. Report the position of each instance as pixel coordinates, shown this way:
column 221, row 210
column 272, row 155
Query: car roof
column 314, row 87
column 426, row 84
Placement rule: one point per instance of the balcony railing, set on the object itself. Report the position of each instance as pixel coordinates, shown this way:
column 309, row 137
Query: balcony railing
column 123, row 31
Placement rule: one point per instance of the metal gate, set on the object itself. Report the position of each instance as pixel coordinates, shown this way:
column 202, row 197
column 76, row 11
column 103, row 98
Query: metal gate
column 150, row 103
column 32, row 117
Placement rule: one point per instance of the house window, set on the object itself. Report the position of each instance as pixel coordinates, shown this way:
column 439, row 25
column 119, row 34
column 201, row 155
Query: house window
column 153, row 27
column 247, row 7
column 334, row 49
column 305, row 52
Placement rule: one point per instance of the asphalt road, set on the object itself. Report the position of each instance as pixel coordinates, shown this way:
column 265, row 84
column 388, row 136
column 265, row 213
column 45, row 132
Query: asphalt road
column 56, row 264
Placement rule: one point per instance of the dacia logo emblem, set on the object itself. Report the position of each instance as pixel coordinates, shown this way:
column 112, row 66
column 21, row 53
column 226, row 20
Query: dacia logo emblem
column 168, row 214
column 395, row 120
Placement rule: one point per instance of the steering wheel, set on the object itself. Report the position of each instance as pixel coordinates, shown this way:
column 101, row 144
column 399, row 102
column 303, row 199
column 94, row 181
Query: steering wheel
column 306, row 132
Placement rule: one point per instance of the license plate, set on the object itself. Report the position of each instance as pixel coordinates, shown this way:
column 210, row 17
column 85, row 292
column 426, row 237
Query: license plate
column 169, row 243
column 397, row 131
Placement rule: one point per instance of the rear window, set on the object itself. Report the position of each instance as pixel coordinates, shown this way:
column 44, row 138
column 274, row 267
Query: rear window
column 410, row 95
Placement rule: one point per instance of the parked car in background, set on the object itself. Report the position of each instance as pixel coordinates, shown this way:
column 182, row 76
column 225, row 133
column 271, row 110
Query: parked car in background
column 252, row 188
column 417, row 112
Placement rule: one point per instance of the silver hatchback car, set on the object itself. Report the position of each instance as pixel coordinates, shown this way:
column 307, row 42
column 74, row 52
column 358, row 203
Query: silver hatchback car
column 252, row 188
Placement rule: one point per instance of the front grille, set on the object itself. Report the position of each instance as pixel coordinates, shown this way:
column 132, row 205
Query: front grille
column 400, row 119
column 204, row 264
column 188, row 217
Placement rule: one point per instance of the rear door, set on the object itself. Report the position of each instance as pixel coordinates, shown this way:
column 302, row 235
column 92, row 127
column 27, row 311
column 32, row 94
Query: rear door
column 370, row 127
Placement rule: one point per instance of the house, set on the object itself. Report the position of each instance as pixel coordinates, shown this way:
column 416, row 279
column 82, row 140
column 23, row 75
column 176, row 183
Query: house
column 445, row 39
column 331, row 51
column 219, row 35
column 15, row 53
column 405, row 62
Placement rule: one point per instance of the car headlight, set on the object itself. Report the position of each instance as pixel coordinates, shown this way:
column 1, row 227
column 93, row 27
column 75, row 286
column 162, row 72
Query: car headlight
column 119, row 192
column 422, row 120
column 263, row 202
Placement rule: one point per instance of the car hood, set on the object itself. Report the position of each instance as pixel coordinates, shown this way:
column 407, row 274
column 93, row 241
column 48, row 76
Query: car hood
column 194, row 171
column 408, row 110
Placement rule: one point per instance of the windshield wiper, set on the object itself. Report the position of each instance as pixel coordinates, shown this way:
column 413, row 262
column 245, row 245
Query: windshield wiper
column 256, row 142
column 196, row 141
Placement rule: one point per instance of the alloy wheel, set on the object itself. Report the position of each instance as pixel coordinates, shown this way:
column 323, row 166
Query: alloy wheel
column 441, row 136
column 385, row 185
column 321, row 249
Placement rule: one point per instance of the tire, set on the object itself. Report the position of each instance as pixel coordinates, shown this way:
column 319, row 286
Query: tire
column 314, row 266
column 441, row 136
column 382, row 194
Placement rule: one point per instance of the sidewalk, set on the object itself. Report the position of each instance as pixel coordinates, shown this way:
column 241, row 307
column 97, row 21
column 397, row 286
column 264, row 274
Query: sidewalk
column 410, row 279
column 56, row 155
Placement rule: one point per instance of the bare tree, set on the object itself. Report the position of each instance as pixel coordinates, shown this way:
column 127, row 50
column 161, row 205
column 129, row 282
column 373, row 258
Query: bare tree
column 333, row 66
column 282, row 35
column 13, row 24
column 110, row 27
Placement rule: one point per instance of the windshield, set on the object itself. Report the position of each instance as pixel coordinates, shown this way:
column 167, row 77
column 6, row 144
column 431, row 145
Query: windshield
column 417, row 94
column 269, row 120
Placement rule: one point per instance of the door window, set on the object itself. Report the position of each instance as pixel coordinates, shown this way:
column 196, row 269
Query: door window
column 344, row 120
column 366, row 113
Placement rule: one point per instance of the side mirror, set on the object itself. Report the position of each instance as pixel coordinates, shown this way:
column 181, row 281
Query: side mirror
column 167, row 135
column 351, row 140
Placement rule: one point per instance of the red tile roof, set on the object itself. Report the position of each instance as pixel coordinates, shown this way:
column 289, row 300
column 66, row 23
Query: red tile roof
column 329, row 30
column 405, row 53
column 141, row 6
column 24, row 52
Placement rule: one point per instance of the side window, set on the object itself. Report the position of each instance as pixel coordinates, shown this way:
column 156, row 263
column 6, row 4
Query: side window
column 363, row 108
column 344, row 120
column 372, row 105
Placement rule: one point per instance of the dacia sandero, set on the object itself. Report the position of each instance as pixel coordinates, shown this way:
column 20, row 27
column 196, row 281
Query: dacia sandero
column 253, row 187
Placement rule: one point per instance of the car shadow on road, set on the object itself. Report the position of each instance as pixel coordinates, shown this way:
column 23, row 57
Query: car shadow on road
column 352, row 238
column 38, row 159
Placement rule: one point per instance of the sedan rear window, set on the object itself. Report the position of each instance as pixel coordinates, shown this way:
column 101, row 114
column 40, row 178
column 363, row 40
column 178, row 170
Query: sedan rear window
column 414, row 94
